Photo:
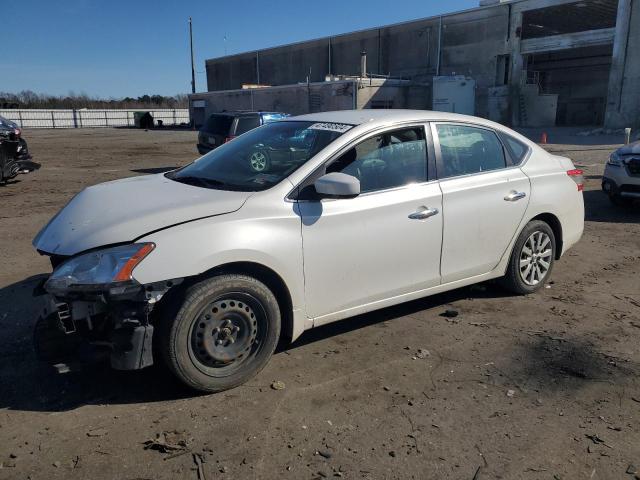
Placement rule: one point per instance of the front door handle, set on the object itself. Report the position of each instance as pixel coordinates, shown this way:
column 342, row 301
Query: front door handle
column 423, row 213
column 514, row 196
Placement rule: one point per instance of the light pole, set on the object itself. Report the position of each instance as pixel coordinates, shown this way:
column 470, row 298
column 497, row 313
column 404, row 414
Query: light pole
column 193, row 72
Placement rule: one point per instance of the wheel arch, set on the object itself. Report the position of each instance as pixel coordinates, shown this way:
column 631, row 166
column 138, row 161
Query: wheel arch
column 267, row 276
column 553, row 222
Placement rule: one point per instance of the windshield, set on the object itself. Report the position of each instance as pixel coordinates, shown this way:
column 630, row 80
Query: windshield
column 261, row 157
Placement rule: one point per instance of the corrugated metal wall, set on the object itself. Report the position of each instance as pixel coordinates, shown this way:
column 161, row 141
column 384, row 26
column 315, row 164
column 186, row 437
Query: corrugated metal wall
column 35, row 118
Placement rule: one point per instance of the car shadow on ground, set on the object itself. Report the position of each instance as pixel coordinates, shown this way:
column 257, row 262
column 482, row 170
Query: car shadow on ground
column 8, row 183
column 598, row 208
column 154, row 170
column 28, row 385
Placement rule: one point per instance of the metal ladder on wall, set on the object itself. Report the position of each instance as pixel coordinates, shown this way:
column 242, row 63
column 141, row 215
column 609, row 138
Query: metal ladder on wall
column 530, row 77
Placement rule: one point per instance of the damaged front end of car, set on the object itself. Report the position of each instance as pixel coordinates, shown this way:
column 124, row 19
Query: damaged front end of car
column 95, row 310
column 14, row 152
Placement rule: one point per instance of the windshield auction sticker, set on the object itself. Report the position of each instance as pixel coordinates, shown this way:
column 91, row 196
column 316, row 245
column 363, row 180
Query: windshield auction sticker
column 331, row 127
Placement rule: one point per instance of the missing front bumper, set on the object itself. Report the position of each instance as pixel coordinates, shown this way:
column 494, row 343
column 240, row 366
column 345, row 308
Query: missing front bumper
column 81, row 331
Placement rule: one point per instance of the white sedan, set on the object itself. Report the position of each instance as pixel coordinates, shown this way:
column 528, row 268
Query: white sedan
column 213, row 263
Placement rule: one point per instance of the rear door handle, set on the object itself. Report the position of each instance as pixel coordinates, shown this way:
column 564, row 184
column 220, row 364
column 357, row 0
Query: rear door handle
column 423, row 213
column 514, row 196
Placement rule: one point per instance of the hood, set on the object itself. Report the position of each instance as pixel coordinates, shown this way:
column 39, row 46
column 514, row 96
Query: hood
column 631, row 149
column 123, row 210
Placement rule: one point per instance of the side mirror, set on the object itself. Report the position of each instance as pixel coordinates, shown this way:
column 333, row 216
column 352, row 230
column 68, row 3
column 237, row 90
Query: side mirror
column 337, row 185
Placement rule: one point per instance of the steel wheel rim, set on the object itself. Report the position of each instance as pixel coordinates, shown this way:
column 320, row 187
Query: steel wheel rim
column 227, row 333
column 258, row 161
column 535, row 258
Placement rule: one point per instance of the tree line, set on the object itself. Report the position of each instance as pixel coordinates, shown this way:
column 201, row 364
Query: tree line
column 30, row 99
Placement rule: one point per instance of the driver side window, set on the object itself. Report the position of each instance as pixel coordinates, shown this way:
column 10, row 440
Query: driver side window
column 391, row 159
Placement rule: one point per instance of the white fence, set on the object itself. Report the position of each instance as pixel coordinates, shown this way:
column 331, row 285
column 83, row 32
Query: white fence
column 84, row 118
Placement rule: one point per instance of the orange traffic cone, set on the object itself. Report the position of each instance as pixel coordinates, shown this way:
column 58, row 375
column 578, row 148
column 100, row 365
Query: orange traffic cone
column 543, row 138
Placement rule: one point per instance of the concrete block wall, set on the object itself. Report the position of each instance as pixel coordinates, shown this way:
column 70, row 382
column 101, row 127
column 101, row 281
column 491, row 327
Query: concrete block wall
column 623, row 102
column 470, row 44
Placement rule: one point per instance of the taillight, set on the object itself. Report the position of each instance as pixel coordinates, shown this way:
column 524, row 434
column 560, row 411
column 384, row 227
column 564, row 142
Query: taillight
column 228, row 139
column 576, row 176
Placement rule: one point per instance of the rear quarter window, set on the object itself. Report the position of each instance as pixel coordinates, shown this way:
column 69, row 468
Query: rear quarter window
column 516, row 148
column 218, row 124
column 247, row 123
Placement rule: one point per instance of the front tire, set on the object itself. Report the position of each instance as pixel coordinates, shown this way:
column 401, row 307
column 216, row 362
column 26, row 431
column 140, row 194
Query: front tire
column 531, row 260
column 223, row 334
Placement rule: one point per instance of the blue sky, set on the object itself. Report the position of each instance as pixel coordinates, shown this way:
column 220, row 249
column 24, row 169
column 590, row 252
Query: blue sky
column 118, row 48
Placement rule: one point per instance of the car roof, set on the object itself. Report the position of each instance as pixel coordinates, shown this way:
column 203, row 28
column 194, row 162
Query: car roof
column 387, row 116
column 240, row 113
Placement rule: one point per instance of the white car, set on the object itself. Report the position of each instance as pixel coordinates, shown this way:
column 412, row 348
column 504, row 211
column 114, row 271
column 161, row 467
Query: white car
column 212, row 264
column 621, row 179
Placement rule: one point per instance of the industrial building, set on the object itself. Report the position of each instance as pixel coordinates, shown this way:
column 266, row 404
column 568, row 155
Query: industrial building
column 519, row 62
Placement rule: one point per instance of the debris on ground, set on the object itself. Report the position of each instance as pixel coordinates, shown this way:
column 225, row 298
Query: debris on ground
column 197, row 459
column 97, row 432
column 511, row 393
column 479, row 324
column 601, row 131
column 631, row 469
column 422, row 353
column 167, row 442
column 597, row 440
column 278, row 385
column 449, row 313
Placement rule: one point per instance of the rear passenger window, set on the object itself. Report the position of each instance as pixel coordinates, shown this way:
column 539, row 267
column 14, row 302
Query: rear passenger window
column 467, row 150
column 517, row 149
column 388, row 160
column 247, row 123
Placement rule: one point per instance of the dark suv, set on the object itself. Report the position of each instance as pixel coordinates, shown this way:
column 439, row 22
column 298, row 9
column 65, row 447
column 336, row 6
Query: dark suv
column 222, row 127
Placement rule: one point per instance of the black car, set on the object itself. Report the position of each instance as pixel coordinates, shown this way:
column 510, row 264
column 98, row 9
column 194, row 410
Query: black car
column 222, row 127
column 14, row 153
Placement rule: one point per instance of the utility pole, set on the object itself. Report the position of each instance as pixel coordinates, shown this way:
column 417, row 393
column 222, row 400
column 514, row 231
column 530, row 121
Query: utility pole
column 193, row 72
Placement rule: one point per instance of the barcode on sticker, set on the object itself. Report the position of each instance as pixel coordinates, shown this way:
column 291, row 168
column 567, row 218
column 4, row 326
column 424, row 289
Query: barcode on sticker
column 332, row 127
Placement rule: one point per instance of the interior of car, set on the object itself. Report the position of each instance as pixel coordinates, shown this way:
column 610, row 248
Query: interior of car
column 385, row 161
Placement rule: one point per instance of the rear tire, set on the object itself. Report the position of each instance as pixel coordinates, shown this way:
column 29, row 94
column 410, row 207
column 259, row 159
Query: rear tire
column 223, row 334
column 531, row 260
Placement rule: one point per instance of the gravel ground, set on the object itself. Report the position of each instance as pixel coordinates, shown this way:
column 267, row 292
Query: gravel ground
column 537, row 387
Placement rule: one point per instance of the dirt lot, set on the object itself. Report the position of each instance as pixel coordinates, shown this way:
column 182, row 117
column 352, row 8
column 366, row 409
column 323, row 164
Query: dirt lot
column 538, row 387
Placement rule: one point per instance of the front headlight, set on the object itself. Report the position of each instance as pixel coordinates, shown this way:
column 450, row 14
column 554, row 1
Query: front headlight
column 102, row 267
column 615, row 160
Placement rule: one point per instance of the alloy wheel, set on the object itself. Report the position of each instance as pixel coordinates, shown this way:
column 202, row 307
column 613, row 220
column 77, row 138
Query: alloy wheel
column 535, row 258
column 258, row 161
